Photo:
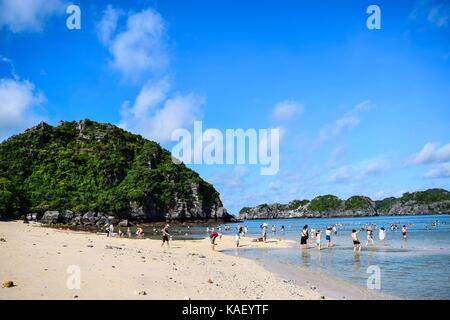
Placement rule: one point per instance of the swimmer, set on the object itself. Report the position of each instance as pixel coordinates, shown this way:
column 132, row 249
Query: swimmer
column 382, row 235
column 356, row 243
column 370, row 237
column 404, row 231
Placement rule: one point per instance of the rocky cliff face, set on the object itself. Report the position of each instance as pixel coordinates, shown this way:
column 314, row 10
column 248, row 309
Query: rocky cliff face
column 85, row 172
column 432, row 201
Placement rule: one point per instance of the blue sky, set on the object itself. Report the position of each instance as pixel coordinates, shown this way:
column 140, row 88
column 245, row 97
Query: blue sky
column 361, row 111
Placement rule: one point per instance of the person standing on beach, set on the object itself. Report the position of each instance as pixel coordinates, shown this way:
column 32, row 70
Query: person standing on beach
column 110, row 230
column 304, row 235
column 404, row 231
column 318, row 239
column 356, row 243
column 382, row 235
column 237, row 239
column 264, row 231
column 328, row 237
column 213, row 236
column 334, row 230
column 369, row 236
column 165, row 235
column 129, row 232
column 245, row 231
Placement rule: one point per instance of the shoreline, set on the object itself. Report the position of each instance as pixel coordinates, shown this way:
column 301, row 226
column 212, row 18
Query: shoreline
column 330, row 286
column 40, row 261
column 345, row 217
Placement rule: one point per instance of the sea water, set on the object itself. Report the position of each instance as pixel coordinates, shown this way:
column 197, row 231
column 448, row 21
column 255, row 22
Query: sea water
column 415, row 268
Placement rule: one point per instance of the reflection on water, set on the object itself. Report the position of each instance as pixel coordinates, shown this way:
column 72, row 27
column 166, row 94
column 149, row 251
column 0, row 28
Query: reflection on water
column 413, row 268
column 356, row 261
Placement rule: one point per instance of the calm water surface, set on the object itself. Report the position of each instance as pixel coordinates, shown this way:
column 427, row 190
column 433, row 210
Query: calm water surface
column 416, row 268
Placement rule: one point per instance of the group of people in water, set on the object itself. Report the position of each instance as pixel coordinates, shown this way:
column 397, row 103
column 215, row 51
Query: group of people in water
column 357, row 246
column 306, row 234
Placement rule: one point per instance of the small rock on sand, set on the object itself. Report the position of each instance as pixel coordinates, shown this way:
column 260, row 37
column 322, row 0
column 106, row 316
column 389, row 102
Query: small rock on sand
column 8, row 284
column 210, row 281
column 140, row 293
column 2, row 240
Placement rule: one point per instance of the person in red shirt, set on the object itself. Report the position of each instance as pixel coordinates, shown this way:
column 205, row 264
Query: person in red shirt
column 213, row 236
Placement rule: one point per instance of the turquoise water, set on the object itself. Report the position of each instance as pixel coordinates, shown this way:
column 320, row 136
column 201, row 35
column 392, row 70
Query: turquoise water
column 416, row 268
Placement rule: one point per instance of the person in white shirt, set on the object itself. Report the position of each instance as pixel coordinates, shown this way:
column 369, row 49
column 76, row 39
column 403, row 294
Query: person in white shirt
column 382, row 235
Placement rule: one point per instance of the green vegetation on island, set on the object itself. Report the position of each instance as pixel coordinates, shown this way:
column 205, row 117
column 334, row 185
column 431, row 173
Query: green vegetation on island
column 89, row 166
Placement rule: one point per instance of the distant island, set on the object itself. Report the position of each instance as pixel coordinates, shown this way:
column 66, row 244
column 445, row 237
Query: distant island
column 431, row 201
column 87, row 172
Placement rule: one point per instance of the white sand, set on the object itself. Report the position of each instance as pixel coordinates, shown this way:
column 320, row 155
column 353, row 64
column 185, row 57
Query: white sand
column 37, row 259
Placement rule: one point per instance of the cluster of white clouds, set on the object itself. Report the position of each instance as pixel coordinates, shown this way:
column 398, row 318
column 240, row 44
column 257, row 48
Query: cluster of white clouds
column 21, row 103
column 359, row 171
column 138, row 50
column 154, row 115
column 438, row 157
column 437, row 12
column 19, row 107
column 28, row 15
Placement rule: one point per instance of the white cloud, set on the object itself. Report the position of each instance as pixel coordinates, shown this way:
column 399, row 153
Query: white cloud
column 156, row 116
column 344, row 123
column 439, row 15
column 364, row 106
column 28, row 15
column 287, row 109
column 108, row 24
column 18, row 107
column 441, row 171
column 432, row 153
column 140, row 50
column 359, row 171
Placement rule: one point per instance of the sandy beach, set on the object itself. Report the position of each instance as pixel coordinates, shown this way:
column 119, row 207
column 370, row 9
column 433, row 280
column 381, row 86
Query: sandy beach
column 40, row 261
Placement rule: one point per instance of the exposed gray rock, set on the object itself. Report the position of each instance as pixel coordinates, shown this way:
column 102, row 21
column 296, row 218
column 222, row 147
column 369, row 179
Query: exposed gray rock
column 123, row 223
column 50, row 217
column 66, row 216
column 89, row 218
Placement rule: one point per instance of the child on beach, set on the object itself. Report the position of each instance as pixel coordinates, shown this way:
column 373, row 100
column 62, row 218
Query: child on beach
column 328, row 237
column 318, row 238
column 356, row 242
column 110, row 230
column 139, row 232
column 237, row 239
column 404, row 231
column 304, row 236
column 382, row 235
column 370, row 237
column 213, row 236
column 165, row 235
